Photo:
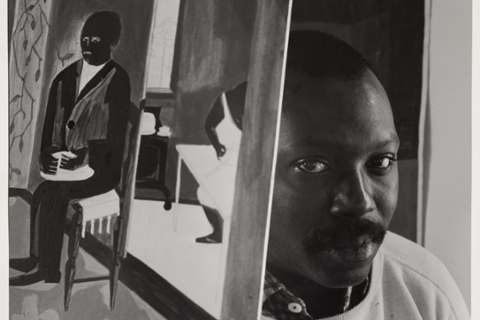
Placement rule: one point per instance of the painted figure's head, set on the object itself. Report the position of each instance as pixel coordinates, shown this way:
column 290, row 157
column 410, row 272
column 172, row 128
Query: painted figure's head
column 100, row 34
column 336, row 179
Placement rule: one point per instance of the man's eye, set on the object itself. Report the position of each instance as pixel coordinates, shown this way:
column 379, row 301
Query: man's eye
column 96, row 39
column 85, row 39
column 311, row 166
column 382, row 162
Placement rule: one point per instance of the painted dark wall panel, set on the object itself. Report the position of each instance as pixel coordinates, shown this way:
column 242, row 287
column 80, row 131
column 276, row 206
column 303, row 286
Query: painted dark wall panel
column 212, row 56
column 390, row 35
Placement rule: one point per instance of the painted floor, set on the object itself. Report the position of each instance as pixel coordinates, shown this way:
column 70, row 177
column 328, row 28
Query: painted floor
column 90, row 301
column 165, row 241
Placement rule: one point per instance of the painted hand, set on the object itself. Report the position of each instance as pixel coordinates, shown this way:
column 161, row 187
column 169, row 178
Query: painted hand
column 220, row 149
column 47, row 162
column 72, row 163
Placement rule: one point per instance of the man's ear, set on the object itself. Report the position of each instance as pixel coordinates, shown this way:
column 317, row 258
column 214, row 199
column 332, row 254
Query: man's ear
column 113, row 45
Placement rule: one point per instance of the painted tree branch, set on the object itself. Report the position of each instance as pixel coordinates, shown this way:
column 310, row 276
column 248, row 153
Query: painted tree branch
column 30, row 29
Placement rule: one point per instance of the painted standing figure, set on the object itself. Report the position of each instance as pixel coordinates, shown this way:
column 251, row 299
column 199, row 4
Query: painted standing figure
column 86, row 114
column 224, row 129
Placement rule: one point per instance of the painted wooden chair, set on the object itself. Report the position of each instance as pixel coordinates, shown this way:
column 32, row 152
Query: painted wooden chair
column 152, row 161
column 112, row 208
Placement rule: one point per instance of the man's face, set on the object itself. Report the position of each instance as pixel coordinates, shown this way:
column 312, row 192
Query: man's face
column 96, row 49
column 336, row 180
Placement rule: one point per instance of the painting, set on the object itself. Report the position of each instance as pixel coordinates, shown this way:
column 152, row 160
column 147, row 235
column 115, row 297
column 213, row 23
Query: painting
column 141, row 148
column 210, row 120
column 76, row 87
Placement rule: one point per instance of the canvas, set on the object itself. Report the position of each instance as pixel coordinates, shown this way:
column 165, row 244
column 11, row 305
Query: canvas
column 137, row 134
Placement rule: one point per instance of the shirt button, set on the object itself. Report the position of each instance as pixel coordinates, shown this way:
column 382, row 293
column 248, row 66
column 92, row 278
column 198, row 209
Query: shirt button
column 71, row 124
column 294, row 307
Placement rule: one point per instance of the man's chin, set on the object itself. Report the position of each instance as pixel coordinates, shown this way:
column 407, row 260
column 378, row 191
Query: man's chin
column 347, row 279
column 342, row 267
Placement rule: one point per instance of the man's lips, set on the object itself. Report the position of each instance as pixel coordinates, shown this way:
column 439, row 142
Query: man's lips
column 355, row 251
column 356, row 243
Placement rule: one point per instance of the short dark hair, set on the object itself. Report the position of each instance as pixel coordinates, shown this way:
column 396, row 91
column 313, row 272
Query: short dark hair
column 106, row 22
column 321, row 55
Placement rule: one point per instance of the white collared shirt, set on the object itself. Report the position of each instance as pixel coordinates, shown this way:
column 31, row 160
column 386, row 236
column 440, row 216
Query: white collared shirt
column 88, row 72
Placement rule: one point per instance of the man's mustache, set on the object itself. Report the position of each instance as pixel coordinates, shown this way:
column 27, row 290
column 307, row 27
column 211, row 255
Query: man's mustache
column 344, row 233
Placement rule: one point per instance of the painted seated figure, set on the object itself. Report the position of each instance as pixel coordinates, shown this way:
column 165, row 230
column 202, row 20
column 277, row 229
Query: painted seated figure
column 85, row 124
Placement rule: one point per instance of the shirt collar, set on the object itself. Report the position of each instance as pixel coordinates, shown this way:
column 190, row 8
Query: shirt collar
column 89, row 69
column 272, row 286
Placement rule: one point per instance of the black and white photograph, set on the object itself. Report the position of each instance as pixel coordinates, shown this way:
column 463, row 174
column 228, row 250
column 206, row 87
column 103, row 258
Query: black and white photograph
column 253, row 159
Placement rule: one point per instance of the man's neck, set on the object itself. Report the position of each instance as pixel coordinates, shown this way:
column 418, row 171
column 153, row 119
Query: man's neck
column 87, row 73
column 86, row 65
column 320, row 301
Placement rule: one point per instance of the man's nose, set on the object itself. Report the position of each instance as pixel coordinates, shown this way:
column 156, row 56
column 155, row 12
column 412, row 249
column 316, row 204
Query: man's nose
column 87, row 41
column 353, row 195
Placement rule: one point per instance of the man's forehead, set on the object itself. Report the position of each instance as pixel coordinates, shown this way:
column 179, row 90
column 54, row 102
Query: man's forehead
column 334, row 108
column 306, row 139
column 308, row 95
column 329, row 141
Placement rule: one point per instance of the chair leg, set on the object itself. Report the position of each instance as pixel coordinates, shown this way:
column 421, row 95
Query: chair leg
column 166, row 192
column 115, row 271
column 114, row 282
column 73, row 247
